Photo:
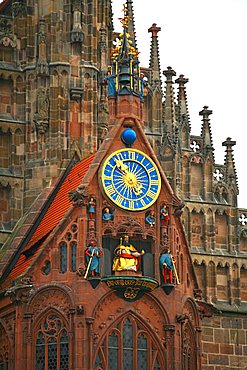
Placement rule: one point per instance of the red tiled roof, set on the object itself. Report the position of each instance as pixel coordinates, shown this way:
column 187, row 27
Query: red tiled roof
column 54, row 214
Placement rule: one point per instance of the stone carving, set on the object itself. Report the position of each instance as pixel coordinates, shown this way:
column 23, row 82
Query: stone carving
column 42, row 65
column 52, row 298
column 41, row 117
column 20, row 294
column 77, row 34
column 19, row 8
column 7, row 37
column 79, row 195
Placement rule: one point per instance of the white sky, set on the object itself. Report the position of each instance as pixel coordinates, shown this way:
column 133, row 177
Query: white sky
column 206, row 41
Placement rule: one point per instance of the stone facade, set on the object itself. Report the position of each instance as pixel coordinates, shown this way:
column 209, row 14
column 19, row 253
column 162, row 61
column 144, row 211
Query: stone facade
column 54, row 108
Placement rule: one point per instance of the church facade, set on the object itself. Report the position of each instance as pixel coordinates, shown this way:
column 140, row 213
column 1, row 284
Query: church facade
column 122, row 244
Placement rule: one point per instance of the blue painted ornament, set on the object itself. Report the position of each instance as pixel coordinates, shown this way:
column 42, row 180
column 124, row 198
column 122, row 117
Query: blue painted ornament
column 128, row 136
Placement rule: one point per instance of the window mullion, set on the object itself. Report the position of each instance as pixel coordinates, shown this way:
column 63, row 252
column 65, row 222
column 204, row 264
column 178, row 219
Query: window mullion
column 46, row 353
column 58, row 352
column 135, row 345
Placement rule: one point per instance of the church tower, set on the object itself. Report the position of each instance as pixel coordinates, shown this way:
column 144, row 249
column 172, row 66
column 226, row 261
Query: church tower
column 53, row 55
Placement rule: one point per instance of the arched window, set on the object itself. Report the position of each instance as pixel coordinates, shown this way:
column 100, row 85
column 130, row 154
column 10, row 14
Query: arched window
column 128, row 346
column 73, row 246
column 68, row 250
column 4, row 350
column 52, row 344
column 63, row 257
column 189, row 358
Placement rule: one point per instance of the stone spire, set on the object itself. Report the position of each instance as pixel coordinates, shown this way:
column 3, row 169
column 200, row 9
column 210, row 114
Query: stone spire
column 154, row 63
column 231, row 176
column 131, row 23
column 183, row 112
column 206, row 130
column 169, row 104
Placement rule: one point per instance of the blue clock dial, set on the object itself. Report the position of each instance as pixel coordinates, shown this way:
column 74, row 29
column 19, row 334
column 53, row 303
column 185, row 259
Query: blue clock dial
column 131, row 179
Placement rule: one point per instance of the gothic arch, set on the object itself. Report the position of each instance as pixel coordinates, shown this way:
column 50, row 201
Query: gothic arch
column 222, row 276
column 129, row 342
column 146, row 317
column 148, row 309
column 55, row 79
column 52, row 342
column 58, row 296
column 188, row 339
column 191, row 311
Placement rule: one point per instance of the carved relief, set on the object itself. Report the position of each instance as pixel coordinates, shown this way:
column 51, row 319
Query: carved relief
column 50, row 298
column 19, row 8
column 7, row 37
column 79, row 195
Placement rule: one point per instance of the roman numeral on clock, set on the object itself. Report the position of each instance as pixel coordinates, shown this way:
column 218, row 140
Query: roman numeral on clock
column 151, row 194
column 110, row 189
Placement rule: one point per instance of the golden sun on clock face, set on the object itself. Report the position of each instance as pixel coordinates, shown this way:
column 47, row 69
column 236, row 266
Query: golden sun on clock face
column 131, row 179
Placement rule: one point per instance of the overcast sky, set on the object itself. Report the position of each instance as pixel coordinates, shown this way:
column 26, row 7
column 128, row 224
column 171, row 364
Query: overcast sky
column 206, row 41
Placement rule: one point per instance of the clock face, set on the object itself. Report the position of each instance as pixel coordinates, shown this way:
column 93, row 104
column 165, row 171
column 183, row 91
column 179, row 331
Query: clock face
column 131, row 179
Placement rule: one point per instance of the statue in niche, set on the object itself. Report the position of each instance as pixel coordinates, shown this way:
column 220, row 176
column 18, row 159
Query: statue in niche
column 91, row 208
column 93, row 255
column 167, row 266
column 110, row 81
column 164, row 216
column 41, row 117
column 107, row 214
column 150, row 218
column 126, row 257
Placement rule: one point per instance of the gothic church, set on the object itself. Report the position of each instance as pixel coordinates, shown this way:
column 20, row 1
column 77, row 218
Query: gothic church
column 121, row 242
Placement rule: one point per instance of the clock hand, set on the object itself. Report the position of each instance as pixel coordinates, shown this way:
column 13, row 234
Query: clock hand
column 137, row 189
column 121, row 166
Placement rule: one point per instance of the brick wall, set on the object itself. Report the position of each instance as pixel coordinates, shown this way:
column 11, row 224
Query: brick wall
column 224, row 343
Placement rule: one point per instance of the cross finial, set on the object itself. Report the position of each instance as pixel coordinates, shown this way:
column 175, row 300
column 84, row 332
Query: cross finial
column 154, row 30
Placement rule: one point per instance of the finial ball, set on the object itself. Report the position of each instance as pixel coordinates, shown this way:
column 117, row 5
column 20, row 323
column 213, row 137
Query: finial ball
column 128, row 136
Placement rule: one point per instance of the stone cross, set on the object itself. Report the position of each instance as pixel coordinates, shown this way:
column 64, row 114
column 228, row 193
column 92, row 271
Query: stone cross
column 218, row 175
column 243, row 219
column 194, row 146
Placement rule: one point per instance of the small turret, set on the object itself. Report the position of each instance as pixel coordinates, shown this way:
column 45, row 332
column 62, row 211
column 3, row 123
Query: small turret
column 169, row 104
column 183, row 117
column 154, row 63
column 231, row 176
column 206, row 130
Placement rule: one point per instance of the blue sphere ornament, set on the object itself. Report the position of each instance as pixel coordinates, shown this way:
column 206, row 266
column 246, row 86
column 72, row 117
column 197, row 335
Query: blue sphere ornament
column 128, row 136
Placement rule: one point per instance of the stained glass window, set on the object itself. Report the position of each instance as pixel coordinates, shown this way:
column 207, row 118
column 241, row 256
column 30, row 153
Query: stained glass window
column 112, row 352
column 73, row 246
column 52, row 344
column 142, row 352
column 128, row 346
column 64, row 350
column 63, row 257
column 40, row 351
